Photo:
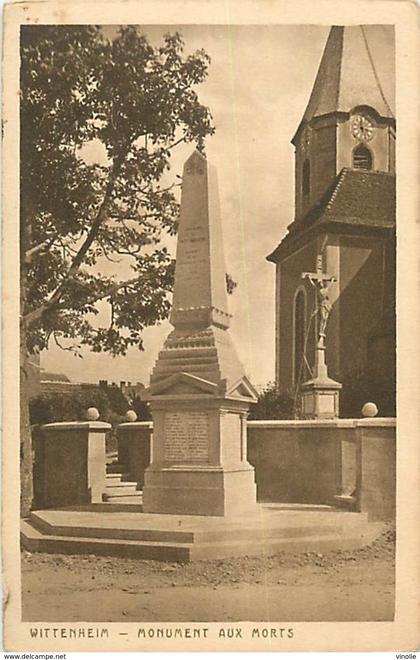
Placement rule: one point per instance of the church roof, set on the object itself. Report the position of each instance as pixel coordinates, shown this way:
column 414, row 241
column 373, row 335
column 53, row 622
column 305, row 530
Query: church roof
column 360, row 198
column 349, row 75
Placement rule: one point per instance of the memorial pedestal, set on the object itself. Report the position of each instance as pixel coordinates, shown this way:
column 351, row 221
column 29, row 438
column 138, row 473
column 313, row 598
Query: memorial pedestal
column 199, row 464
column 198, row 392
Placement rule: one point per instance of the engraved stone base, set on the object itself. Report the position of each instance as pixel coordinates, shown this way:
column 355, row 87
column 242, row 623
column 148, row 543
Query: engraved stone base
column 199, row 464
column 207, row 491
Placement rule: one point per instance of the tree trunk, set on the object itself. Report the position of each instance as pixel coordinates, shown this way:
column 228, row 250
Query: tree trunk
column 26, row 453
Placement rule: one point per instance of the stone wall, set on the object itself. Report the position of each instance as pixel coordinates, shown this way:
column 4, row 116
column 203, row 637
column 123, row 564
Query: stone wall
column 297, row 461
column 312, row 462
column 309, row 462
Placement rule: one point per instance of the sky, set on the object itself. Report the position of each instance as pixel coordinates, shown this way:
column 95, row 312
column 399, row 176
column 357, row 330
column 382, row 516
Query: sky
column 259, row 82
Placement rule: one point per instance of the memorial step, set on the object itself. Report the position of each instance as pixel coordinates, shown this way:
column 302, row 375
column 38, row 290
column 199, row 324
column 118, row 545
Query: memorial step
column 111, row 530
column 134, row 529
column 35, row 541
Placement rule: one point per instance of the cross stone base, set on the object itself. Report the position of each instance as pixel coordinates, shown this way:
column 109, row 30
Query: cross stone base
column 320, row 395
column 320, row 400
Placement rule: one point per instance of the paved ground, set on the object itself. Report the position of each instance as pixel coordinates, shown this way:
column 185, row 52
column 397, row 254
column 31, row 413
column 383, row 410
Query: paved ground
column 337, row 586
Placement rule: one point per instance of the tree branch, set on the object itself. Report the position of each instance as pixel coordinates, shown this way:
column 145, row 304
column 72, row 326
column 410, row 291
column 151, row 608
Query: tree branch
column 36, row 314
column 65, row 348
column 29, row 254
column 31, row 317
column 175, row 144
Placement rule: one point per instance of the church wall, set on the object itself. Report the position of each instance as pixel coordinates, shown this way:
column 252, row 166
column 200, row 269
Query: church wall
column 332, row 267
column 290, row 279
column 320, row 150
column 324, row 161
column 361, row 299
column 389, row 272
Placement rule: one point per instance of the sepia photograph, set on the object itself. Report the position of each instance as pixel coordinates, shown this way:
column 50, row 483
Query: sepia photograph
column 207, row 329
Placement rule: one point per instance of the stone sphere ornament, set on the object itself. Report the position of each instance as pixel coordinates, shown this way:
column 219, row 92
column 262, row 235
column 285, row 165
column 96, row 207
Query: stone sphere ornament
column 130, row 416
column 370, row 409
column 92, row 414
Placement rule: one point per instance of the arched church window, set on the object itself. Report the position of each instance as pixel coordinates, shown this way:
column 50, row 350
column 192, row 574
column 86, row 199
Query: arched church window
column 362, row 158
column 306, row 178
column 299, row 335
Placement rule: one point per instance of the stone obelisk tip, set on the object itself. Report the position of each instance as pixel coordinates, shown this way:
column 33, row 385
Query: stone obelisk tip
column 199, row 298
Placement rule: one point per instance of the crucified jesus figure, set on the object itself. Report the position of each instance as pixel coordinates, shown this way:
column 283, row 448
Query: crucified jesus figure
column 322, row 284
column 324, row 303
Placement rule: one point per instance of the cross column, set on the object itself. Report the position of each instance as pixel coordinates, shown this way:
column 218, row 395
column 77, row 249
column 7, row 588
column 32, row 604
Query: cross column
column 320, row 394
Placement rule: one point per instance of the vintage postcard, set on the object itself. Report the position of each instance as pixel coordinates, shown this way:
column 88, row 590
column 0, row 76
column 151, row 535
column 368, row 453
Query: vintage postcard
column 210, row 252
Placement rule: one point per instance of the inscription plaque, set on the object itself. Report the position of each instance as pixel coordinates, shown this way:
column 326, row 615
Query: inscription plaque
column 186, row 437
column 192, row 264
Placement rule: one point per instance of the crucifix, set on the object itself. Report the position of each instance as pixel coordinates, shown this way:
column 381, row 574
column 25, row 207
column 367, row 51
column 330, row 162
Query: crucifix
column 320, row 394
column 322, row 282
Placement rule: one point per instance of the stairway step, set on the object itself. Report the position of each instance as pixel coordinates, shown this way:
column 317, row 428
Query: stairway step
column 319, row 544
column 129, row 529
column 121, row 484
column 35, row 541
column 118, row 468
column 95, row 530
column 122, row 489
column 123, row 499
column 118, row 476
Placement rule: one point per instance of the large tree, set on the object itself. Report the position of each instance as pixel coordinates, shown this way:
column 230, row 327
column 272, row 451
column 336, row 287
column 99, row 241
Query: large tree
column 139, row 102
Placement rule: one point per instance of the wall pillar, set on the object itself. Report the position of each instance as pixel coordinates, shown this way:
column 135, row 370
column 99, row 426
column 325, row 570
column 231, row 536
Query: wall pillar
column 376, row 468
column 134, row 448
column 71, row 463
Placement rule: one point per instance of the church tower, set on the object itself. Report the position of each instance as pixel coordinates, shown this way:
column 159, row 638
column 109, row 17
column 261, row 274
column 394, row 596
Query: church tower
column 344, row 220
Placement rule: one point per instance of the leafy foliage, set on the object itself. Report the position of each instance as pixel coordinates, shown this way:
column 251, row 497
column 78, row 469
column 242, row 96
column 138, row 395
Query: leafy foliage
column 273, row 404
column 361, row 387
column 142, row 409
column 230, row 284
column 139, row 102
column 71, row 406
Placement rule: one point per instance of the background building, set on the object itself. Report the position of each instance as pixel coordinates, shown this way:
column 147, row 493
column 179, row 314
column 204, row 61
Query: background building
column 344, row 223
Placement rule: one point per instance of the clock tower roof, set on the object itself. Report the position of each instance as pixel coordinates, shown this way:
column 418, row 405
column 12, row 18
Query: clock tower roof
column 354, row 71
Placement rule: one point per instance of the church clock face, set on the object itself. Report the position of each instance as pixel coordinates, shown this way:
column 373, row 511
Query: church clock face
column 362, row 128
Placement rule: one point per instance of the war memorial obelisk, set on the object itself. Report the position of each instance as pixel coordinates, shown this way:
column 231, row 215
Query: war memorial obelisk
column 198, row 391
